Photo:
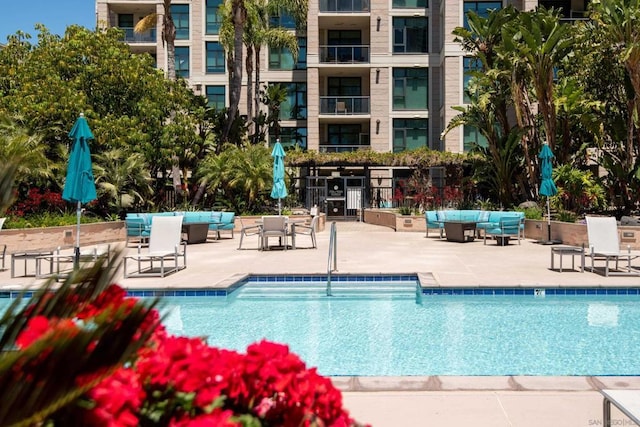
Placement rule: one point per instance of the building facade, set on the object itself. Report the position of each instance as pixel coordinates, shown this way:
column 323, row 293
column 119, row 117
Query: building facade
column 371, row 74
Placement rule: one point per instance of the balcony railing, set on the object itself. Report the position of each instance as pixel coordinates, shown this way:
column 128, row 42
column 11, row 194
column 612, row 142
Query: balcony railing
column 333, row 148
column 131, row 36
column 338, row 54
column 344, row 105
column 345, row 6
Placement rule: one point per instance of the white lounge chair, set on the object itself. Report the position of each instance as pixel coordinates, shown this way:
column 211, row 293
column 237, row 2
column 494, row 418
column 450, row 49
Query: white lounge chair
column 164, row 252
column 604, row 245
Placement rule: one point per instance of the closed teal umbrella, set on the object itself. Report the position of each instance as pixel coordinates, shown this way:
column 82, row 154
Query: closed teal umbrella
column 279, row 189
column 547, row 186
column 79, row 186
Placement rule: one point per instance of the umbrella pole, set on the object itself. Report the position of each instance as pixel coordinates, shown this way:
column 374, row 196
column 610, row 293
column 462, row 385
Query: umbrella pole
column 76, row 259
column 548, row 220
column 279, row 206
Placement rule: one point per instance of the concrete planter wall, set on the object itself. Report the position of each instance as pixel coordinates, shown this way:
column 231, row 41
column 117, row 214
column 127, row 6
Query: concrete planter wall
column 49, row 238
column 573, row 234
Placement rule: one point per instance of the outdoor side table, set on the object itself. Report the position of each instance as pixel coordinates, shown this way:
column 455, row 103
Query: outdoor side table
column 25, row 257
column 568, row 250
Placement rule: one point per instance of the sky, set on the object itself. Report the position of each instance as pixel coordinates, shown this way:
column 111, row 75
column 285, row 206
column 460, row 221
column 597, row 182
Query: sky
column 56, row 15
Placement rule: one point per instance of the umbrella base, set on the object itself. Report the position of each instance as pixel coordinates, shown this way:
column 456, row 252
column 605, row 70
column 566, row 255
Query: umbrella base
column 549, row 242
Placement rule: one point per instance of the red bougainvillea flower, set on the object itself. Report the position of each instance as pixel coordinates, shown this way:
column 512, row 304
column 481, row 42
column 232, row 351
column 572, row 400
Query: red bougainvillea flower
column 39, row 327
column 117, row 401
column 217, row 418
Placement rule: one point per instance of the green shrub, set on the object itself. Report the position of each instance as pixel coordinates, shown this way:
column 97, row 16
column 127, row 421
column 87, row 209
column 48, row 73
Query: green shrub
column 532, row 212
column 405, row 210
column 566, row 216
column 47, row 219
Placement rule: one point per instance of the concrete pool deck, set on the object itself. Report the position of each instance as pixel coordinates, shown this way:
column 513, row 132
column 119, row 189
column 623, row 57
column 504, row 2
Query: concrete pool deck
column 419, row 401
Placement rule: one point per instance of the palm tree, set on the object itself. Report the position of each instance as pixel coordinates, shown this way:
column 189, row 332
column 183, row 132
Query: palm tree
column 168, row 34
column 619, row 21
column 26, row 148
column 537, row 42
column 122, row 177
column 168, row 38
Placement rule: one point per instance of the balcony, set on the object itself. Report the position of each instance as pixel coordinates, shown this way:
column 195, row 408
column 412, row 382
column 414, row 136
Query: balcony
column 339, row 54
column 131, row 36
column 345, row 6
column 333, row 148
column 344, row 105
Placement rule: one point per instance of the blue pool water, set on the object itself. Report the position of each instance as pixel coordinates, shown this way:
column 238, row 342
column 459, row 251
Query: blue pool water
column 386, row 328
column 397, row 334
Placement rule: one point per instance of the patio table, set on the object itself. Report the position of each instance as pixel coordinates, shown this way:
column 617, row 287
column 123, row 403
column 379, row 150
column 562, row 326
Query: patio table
column 460, row 231
column 196, row 232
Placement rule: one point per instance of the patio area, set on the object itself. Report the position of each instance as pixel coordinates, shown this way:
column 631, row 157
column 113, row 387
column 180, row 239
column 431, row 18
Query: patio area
column 393, row 401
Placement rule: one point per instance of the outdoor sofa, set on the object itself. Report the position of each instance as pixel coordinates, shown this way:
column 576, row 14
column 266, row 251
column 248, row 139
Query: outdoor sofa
column 486, row 221
column 138, row 225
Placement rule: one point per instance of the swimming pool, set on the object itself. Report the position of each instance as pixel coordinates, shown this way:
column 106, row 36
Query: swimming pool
column 444, row 332
column 373, row 327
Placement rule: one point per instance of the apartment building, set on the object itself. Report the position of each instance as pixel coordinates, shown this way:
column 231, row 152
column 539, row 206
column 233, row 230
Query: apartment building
column 371, row 74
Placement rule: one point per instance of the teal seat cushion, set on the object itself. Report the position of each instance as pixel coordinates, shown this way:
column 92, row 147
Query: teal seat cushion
column 228, row 220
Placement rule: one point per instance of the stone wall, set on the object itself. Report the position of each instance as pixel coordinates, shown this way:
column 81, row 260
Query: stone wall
column 573, row 234
column 50, row 238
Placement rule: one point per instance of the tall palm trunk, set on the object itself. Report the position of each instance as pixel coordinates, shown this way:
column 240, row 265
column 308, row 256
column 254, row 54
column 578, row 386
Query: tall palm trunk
column 249, row 65
column 239, row 17
column 256, row 87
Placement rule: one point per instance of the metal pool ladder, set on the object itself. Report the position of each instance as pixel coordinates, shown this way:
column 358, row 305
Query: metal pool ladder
column 333, row 253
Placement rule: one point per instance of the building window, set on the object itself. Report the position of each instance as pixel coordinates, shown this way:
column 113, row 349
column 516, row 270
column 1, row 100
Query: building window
column 215, row 97
column 410, row 88
column 281, row 58
column 215, row 58
column 290, row 137
column 182, row 61
column 409, row 4
column 410, row 35
column 469, row 64
column 125, row 21
column 409, row 134
column 473, row 138
column 481, row 8
column 282, row 20
column 295, row 105
column 180, row 15
column 214, row 19
column 346, row 137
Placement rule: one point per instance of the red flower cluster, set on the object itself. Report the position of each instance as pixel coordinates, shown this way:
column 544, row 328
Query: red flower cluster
column 181, row 381
column 37, row 202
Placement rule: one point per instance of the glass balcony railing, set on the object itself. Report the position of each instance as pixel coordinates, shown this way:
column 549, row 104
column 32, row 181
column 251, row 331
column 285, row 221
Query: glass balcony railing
column 344, row 105
column 345, row 6
column 338, row 54
column 335, row 148
column 131, row 36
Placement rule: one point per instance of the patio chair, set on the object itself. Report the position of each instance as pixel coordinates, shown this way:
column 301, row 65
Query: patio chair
column 509, row 226
column 165, row 248
column 274, row 226
column 604, row 245
column 341, row 107
column 306, row 230
column 250, row 230
column 136, row 228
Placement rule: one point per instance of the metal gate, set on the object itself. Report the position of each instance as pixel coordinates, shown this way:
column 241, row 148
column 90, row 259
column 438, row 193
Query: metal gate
column 339, row 197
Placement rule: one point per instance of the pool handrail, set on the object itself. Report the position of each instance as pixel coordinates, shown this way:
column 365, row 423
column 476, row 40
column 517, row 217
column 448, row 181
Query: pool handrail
column 333, row 253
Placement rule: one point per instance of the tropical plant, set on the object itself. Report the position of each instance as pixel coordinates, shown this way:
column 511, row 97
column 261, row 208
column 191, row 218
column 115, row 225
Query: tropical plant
column 578, row 191
column 122, row 179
